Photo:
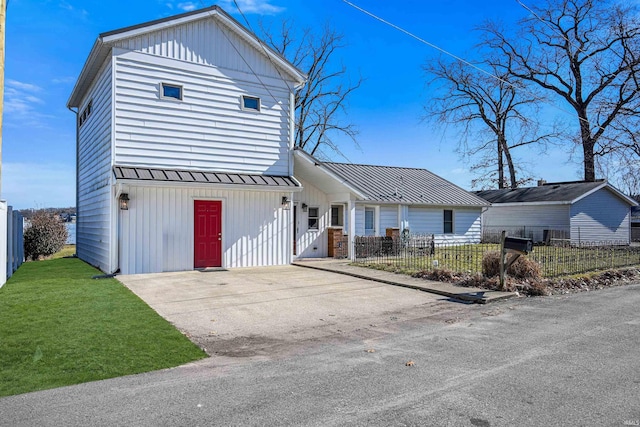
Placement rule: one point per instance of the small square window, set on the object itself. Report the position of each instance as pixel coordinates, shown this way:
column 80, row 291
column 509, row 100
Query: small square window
column 171, row 91
column 250, row 103
column 314, row 221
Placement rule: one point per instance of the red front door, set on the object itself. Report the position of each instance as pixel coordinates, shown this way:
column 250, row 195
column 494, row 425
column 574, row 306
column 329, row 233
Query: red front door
column 207, row 233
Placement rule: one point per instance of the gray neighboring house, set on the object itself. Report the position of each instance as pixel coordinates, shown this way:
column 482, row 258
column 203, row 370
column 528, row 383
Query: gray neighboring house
column 578, row 211
column 635, row 224
column 366, row 200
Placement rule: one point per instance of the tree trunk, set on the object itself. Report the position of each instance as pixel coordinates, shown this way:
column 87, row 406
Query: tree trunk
column 588, row 145
column 500, row 166
column 512, row 169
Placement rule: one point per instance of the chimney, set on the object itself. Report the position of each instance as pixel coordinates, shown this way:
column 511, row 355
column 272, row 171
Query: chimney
column 541, row 182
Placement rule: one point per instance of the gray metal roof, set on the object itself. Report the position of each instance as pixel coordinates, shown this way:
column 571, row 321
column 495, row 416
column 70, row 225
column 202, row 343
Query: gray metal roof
column 550, row 192
column 204, row 177
column 403, row 185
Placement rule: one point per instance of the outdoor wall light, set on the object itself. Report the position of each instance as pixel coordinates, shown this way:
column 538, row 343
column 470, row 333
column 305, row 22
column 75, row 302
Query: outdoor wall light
column 124, row 201
column 286, row 203
column 304, row 207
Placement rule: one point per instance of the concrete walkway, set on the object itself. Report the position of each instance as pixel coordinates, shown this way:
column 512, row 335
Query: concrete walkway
column 343, row 266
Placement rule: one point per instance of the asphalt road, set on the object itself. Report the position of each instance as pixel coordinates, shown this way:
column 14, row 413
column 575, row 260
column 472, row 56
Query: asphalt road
column 571, row 360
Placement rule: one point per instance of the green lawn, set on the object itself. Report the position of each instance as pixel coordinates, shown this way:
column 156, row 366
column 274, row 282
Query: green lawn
column 58, row 326
column 67, row 251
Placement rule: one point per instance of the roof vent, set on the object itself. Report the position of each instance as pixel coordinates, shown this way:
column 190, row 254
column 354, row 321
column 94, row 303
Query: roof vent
column 541, row 182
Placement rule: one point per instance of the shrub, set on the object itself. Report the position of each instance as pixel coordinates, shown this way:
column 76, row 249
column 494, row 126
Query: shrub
column 523, row 268
column 45, row 236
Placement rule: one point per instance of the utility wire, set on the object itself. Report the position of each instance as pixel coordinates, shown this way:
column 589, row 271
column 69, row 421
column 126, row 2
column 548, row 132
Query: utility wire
column 464, row 61
column 287, row 110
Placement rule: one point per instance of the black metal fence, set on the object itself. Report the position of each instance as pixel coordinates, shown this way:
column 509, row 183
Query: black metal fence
column 418, row 253
column 545, row 235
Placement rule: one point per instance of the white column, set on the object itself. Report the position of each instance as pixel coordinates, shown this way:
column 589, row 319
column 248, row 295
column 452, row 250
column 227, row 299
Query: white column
column 351, row 206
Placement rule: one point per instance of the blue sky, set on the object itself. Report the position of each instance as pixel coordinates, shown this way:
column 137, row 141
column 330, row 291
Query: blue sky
column 48, row 41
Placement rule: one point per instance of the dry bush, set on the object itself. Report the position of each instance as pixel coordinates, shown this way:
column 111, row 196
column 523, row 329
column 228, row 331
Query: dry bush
column 523, row 268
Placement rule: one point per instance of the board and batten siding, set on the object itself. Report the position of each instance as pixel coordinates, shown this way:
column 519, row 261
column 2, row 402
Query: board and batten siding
column 601, row 217
column 93, row 239
column 203, row 42
column 467, row 224
column 157, row 232
column 312, row 243
column 208, row 129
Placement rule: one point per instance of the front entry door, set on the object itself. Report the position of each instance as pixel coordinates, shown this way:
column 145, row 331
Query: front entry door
column 207, row 233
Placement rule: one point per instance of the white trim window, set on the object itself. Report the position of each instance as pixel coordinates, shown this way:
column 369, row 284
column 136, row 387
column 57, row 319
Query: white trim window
column 369, row 221
column 448, row 221
column 250, row 103
column 170, row 91
column 314, row 218
column 337, row 215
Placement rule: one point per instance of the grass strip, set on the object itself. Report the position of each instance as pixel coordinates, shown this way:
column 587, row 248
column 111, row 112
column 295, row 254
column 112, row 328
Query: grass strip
column 58, row 327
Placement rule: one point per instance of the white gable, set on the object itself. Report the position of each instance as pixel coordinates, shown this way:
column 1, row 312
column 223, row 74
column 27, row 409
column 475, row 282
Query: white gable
column 206, row 42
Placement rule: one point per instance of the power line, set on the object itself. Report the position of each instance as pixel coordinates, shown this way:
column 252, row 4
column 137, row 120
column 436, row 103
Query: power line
column 287, row 110
column 464, row 61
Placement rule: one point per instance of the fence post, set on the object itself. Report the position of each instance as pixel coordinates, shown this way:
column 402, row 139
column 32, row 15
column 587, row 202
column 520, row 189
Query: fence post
column 3, row 242
column 502, row 259
column 10, row 242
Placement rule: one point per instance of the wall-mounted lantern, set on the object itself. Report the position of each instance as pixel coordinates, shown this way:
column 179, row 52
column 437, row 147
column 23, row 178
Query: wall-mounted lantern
column 286, row 203
column 124, row 201
column 304, row 207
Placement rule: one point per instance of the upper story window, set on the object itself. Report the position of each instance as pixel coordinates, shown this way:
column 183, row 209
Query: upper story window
column 250, row 103
column 84, row 115
column 448, row 221
column 171, row 91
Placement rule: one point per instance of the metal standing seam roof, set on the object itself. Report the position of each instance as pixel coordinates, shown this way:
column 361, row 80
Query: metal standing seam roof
column 551, row 192
column 403, row 185
column 204, row 177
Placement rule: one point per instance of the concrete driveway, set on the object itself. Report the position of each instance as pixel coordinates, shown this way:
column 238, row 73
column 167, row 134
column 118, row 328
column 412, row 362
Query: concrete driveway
column 249, row 312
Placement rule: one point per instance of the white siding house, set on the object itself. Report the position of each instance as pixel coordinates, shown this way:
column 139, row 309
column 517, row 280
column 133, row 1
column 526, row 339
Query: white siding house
column 372, row 199
column 189, row 120
column 580, row 211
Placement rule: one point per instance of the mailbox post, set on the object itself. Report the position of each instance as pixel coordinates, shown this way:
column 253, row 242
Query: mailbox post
column 512, row 245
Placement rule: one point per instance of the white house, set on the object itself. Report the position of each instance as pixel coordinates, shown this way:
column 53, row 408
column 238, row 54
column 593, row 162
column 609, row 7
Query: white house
column 184, row 147
column 577, row 211
column 366, row 200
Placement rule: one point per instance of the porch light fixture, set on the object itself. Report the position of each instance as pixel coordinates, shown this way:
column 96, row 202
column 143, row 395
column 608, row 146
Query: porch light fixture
column 304, row 207
column 286, row 203
column 124, row 201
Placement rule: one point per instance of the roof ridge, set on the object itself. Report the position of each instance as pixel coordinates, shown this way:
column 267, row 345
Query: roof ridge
column 377, row 166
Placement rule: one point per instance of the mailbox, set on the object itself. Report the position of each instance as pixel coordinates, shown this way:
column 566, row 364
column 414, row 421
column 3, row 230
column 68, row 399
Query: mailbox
column 518, row 244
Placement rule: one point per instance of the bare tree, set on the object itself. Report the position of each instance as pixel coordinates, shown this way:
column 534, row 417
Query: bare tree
column 586, row 53
column 321, row 103
column 485, row 104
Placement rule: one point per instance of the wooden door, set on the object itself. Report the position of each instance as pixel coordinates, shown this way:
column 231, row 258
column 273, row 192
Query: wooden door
column 207, row 233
